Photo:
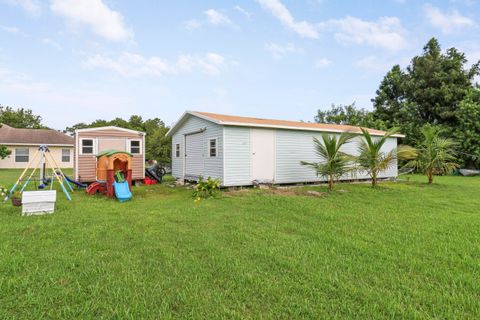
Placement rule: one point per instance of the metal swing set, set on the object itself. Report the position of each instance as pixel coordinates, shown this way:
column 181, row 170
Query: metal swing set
column 43, row 163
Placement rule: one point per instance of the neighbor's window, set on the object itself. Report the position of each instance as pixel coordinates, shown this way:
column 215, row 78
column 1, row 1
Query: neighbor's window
column 65, row 155
column 87, row 146
column 21, row 155
column 135, row 146
column 177, row 150
column 212, row 144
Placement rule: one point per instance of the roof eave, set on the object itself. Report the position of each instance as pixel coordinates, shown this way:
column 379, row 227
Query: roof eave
column 107, row 128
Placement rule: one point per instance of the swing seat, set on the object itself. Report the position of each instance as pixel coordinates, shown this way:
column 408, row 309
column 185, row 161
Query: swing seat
column 38, row 202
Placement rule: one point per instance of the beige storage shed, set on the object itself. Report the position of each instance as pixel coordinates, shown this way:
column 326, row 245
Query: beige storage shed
column 92, row 141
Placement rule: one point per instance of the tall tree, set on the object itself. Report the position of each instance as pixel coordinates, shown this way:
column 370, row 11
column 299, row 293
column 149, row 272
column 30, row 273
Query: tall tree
column 429, row 90
column 467, row 130
column 349, row 115
column 20, row 118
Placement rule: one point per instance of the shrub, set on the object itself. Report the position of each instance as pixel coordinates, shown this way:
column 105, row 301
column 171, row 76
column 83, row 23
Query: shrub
column 206, row 188
column 3, row 192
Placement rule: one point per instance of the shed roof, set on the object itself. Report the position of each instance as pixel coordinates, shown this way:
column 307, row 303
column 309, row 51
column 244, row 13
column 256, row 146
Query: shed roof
column 93, row 129
column 230, row 120
column 15, row 136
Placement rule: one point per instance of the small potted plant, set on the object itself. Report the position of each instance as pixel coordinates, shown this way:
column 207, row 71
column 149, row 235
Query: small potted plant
column 16, row 199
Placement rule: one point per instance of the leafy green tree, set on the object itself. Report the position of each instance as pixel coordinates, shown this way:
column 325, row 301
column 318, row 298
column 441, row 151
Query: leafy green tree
column 371, row 158
column 333, row 163
column 435, row 155
column 4, row 152
column 467, row 130
column 349, row 115
column 429, row 90
column 20, row 118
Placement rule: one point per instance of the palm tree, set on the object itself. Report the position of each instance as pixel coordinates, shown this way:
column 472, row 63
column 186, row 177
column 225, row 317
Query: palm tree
column 371, row 158
column 435, row 155
column 335, row 162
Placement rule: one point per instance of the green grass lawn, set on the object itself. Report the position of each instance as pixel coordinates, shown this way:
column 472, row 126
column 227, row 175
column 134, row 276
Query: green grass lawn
column 404, row 250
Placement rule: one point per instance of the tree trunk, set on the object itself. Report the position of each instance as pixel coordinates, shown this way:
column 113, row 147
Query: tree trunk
column 430, row 177
column 374, row 180
column 330, row 183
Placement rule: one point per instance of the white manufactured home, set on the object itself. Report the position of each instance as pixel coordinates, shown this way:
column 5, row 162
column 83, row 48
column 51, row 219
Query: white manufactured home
column 241, row 150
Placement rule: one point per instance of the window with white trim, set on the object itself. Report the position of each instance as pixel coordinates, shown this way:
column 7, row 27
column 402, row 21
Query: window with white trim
column 65, row 155
column 22, row 155
column 177, row 150
column 135, row 146
column 212, row 147
column 87, row 146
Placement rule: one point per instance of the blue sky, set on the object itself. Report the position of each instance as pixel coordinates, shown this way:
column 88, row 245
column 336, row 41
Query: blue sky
column 76, row 61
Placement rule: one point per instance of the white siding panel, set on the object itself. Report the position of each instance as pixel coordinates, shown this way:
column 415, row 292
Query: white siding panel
column 38, row 202
column 295, row 146
column 237, row 156
column 194, row 154
column 213, row 166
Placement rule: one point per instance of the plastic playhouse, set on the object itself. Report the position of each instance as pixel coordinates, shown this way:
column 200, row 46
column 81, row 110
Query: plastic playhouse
column 114, row 175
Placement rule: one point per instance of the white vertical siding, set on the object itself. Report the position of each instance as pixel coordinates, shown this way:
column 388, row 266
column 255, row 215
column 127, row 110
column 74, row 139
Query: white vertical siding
column 212, row 166
column 237, row 156
column 194, row 154
column 293, row 146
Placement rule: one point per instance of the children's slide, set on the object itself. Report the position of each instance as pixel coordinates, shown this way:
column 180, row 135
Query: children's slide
column 78, row 184
column 122, row 191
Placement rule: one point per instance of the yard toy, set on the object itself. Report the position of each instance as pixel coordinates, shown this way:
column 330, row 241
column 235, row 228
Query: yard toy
column 42, row 160
column 114, row 175
column 155, row 172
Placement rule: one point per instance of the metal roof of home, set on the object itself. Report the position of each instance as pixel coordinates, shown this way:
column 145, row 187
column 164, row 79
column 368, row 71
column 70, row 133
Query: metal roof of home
column 223, row 119
column 15, row 136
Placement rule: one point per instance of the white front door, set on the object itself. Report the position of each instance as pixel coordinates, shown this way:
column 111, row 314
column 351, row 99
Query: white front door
column 194, row 154
column 263, row 154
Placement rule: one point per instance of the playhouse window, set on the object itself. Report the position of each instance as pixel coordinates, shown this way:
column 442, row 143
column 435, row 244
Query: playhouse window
column 213, row 147
column 65, row 155
column 87, row 146
column 177, row 150
column 22, row 155
column 135, row 147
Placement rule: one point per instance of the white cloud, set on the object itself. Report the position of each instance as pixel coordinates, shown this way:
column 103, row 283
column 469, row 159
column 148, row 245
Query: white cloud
column 322, row 63
column 243, row 11
column 386, row 32
column 52, row 43
column 279, row 51
column 213, row 17
column 132, row 65
column 32, row 7
column 95, row 15
column 10, row 29
column 193, row 24
column 447, row 22
column 217, row 18
column 279, row 11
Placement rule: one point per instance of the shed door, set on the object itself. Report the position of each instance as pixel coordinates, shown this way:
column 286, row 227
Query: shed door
column 263, row 154
column 194, row 148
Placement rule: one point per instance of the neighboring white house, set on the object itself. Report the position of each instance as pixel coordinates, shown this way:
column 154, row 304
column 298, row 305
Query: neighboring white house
column 23, row 143
column 240, row 150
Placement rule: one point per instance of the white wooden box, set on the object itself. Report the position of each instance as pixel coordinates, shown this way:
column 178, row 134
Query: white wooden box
column 38, row 202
